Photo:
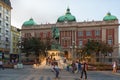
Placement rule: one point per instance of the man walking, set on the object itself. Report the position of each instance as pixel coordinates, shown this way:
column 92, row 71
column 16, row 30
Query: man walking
column 79, row 67
column 56, row 69
column 84, row 70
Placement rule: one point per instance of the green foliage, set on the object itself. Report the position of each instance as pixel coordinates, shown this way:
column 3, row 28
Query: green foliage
column 93, row 46
column 35, row 45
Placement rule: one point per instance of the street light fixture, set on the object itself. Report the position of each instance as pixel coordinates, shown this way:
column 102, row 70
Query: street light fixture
column 73, row 50
column 20, row 46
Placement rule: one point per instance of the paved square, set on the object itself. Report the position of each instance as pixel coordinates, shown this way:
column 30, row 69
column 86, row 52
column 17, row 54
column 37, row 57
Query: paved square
column 44, row 73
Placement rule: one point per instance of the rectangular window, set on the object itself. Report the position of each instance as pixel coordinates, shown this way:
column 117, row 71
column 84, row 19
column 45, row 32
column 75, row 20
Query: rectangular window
column 65, row 33
column 80, row 33
column 110, row 41
column 97, row 33
column 6, row 24
column 0, row 37
column 7, row 11
column 0, row 23
column 28, row 35
column 110, row 31
column 88, row 33
column 80, row 43
column 0, row 30
column 0, row 15
column 7, row 39
column 6, row 18
column 6, row 32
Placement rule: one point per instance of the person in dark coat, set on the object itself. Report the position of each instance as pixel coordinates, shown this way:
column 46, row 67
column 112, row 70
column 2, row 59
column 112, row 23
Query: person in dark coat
column 79, row 67
column 84, row 70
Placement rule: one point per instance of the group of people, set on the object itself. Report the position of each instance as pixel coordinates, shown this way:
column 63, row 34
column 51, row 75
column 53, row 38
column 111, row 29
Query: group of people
column 78, row 67
column 50, row 61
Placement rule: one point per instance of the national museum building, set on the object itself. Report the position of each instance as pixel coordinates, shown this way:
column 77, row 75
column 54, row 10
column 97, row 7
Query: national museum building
column 78, row 33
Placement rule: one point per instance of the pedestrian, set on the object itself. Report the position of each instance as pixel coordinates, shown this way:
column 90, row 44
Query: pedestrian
column 65, row 60
column 76, row 64
column 84, row 70
column 114, row 67
column 52, row 67
column 79, row 67
column 68, row 67
column 73, row 67
column 1, row 64
column 57, row 70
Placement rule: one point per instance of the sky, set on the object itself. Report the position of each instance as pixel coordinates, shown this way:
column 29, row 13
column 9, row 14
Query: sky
column 48, row 11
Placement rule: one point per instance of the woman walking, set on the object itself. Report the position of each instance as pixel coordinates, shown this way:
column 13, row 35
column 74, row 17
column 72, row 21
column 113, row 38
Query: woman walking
column 114, row 67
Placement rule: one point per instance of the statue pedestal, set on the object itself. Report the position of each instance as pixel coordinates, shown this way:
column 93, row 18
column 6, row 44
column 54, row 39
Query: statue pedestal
column 19, row 65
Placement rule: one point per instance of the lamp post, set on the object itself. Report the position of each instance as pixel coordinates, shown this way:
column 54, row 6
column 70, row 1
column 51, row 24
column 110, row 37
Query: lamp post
column 73, row 50
column 46, row 52
column 19, row 65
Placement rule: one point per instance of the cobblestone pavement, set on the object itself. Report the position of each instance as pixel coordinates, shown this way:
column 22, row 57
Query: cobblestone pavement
column 44, row 73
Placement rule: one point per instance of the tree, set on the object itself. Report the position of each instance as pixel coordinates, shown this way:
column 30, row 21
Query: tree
column 32, row 45
column 105, row 49
column 36, row 46
column 94, row 46
column 26, row 47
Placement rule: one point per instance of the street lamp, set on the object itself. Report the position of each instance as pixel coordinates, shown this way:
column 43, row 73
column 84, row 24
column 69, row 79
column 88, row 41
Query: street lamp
column 20, row 46
column 73, row 50
column 46, row 52
column 79, row 52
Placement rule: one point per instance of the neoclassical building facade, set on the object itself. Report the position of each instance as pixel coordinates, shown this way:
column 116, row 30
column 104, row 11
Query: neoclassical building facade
column 77, row 33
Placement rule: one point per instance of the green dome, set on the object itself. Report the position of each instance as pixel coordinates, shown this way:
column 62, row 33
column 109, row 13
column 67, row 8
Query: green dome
column 109, row 17
column 31, row 22
column 67, row 17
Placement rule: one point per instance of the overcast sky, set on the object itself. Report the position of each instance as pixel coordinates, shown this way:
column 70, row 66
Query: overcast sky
column 48, row 11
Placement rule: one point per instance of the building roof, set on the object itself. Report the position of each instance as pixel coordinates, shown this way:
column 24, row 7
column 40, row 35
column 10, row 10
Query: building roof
column 31, row 22
column 109, row 17
column 7, row 2
column 67, row 17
